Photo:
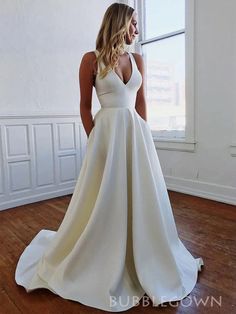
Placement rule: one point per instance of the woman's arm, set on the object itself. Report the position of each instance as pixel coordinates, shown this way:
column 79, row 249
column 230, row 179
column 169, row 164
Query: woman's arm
column 86, row 72
column 140, row 104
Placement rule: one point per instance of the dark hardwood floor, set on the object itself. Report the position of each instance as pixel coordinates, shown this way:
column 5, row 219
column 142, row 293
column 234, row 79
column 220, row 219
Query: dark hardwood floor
column 207, row 228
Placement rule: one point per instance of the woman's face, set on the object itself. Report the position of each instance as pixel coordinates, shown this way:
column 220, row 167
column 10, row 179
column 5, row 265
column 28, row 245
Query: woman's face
column 133, row 30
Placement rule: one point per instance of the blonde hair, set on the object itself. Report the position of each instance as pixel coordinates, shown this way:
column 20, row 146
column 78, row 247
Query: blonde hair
column 110, row 41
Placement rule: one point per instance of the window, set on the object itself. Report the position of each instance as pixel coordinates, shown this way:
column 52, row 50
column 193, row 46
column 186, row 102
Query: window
column 166, row 43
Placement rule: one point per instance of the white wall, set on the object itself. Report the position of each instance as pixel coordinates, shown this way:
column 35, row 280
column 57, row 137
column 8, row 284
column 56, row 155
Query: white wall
column 42, row 43
column 211, row 170
column 42, row 140
column 41, row 47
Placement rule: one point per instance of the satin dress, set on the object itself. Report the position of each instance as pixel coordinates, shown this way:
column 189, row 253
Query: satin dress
column 118, row 239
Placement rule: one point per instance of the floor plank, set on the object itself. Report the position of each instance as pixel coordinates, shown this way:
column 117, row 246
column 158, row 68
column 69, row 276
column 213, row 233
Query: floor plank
column 207, row 228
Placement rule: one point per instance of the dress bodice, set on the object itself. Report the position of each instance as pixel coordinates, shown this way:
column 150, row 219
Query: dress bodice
column 113, row 92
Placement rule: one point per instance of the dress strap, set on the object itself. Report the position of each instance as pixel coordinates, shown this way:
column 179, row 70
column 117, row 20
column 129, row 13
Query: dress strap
column 132, row 59
column 96, row 52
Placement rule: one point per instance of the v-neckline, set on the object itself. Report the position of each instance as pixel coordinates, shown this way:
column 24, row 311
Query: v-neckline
column 132, row 70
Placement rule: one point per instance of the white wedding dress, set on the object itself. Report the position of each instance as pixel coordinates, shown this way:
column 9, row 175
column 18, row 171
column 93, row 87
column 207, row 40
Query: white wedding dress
column 118, row 239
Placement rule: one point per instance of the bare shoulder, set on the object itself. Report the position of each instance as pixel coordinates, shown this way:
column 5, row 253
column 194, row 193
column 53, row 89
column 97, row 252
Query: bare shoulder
column 88, row 57
column 88, row 62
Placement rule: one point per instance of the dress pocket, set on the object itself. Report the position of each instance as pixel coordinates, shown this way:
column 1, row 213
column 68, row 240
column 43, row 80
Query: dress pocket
column 91, row 132
column 142, row 120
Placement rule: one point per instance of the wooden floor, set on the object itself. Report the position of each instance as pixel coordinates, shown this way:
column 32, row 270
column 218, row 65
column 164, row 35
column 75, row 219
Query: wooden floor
column 207, row 228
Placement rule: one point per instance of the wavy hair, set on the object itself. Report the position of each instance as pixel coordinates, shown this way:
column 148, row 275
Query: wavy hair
column 110, row 41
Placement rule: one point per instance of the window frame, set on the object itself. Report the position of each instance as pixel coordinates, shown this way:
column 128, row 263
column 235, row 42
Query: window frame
column 187, row 143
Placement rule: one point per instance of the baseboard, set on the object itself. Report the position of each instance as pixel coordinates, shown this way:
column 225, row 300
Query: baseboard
column 35, row 198
column 220, row 193
column 212, row 191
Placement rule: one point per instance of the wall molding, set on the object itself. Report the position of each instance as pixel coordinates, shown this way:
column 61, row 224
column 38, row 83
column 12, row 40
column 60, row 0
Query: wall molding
column 232, row 150
column 208, row 190
column 40, row 157
column 177, row 145
column 35, row 198
column 41, row 115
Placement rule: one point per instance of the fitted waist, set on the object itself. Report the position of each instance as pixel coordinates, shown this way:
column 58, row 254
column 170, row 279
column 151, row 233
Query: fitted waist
column 117, row 100
column 132, row 106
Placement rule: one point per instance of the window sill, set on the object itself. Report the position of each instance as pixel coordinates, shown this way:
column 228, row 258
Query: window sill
column 174, row 144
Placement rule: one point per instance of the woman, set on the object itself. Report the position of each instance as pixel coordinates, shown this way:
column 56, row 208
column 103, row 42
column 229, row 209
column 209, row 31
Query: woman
column 118, row 239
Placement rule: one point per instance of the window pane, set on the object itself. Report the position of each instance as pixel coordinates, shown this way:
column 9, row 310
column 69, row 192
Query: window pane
column 165, row 70
column 163, row 16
